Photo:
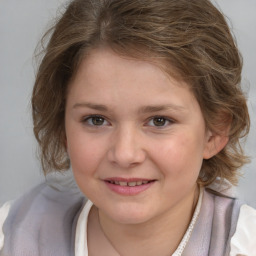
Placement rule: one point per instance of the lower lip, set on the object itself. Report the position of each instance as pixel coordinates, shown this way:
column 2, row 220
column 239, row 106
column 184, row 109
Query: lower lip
column 129, row 191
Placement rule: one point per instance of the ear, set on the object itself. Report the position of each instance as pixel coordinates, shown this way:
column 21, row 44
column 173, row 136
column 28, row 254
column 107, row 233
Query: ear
column 214, row 144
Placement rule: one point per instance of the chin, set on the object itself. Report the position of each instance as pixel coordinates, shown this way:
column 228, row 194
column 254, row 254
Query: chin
column 130, row 215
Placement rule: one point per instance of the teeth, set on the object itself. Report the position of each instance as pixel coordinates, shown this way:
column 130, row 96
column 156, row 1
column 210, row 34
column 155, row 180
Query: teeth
column 130, row 184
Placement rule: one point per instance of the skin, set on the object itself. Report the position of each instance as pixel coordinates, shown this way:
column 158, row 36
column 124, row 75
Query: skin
column 129, row 141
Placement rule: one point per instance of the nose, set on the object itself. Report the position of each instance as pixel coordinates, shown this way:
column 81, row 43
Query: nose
column 126, row 149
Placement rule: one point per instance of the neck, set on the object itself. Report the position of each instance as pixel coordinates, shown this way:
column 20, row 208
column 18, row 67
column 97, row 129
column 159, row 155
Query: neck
column 164, row 232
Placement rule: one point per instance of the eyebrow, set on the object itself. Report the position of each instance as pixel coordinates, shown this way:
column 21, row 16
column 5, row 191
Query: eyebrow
column 91, row 106
column 144, row 109
column 158, row 108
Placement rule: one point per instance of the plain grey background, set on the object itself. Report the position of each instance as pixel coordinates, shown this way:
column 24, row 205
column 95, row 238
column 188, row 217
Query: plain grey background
column 22, row 23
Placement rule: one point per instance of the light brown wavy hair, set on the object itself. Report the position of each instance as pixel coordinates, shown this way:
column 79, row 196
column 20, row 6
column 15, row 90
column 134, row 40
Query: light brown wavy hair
column 191, row 37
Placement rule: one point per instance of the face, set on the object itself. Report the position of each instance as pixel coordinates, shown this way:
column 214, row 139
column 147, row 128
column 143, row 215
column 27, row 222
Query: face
column 135, row 136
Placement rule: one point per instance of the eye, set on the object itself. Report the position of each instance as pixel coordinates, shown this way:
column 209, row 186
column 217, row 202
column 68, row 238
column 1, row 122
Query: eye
column 159, row 121
column 95, row 120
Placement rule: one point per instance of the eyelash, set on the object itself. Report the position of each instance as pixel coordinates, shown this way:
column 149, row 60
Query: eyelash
column 167, row 120
column 87, row 119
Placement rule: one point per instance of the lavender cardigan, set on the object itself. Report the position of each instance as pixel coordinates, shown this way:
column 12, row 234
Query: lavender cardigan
column 43, row 222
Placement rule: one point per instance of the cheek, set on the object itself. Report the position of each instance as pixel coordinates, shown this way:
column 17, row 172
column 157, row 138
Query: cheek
column 85, row 154
column 85, row 157
column 180, row 155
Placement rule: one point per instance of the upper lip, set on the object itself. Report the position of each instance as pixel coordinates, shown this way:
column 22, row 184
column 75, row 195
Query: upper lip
column 127, row 179
column 130, row 182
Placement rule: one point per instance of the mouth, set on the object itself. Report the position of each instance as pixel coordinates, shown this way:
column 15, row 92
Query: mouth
column 129, row 183
column 128, row 187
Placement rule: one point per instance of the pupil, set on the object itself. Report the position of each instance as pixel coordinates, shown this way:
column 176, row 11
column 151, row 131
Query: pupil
column 97, row 120
column 159, row 121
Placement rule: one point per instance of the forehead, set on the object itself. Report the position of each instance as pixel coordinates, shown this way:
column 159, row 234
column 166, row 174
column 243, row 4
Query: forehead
column 103, row 62
column 106, row 77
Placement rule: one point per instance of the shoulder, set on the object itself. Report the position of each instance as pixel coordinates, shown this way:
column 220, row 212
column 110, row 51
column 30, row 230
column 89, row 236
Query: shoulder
column 44, row 200
column 47, row 212
column 242, row 219
column 238, row 219
column 4, row 210
column 57, row 193
column 244, row 238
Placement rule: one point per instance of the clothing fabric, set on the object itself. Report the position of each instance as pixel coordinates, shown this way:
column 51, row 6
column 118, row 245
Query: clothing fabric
column 42, row 222
column 4, row 210
column 81, row 248
column 49, row 222
column 243, row 241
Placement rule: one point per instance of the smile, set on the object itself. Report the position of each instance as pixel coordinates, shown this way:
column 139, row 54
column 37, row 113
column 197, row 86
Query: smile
column 129, row 184
column 128, row 187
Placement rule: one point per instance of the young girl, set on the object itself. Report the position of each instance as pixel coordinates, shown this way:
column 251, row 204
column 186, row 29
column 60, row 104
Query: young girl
column 142, row 99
